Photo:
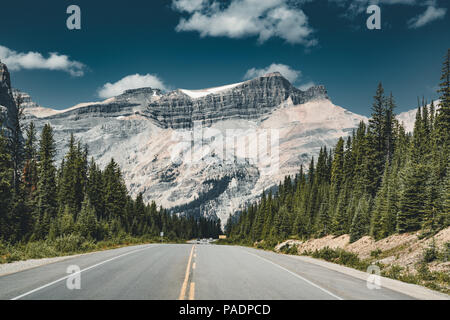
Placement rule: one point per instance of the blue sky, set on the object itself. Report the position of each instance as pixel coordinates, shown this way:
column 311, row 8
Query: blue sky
column 195, row 44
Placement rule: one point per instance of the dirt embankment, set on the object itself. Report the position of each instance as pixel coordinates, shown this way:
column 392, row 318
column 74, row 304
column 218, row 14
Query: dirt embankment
column 405, row 250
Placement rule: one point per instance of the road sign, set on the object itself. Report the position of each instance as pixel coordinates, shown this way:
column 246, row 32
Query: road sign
column 162, row 234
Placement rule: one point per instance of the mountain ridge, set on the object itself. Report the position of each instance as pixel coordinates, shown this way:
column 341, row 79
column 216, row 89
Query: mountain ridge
column 143, row 143
column 8, row 110
column 145, row 131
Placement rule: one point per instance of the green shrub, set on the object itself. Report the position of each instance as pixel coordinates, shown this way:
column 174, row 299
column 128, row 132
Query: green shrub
column 424, row 273
column 326, row 253
column 393, row 272
column 430, row 254
column 88, row 245
column 289, row 249
column 266, row 244
column 375, row 253
column 349, row 259
column 69, row 243
column 40, row 249
column 3, row 248
column 340, row 256
column 443, row 277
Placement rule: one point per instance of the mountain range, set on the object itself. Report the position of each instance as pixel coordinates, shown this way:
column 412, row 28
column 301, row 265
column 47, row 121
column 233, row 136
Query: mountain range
column 207, row 152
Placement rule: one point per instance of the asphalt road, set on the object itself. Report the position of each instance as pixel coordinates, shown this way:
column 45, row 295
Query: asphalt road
column 187, row 271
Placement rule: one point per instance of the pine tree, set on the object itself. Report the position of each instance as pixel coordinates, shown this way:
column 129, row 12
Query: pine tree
column 412, row 198
column 324, row 221
column 115, row 194
column 66, row 222
column 360, row 151
column 376, row 142
column 378, row 224
column 441, row 134
column 340, row 221
column 46, row 189
column 360, row 222
column 389, row 212
column 30, row 172
column 443, row 116
column 285, row 223
column 445, row 216
column 86, row 221
column 258, row 221
column 268, row 216
column 337, row 175
column 95, row 189
column 71, row 188
column 383, row 221
column 6, row 184
column 16, row 144
column 433, row 205
column 389, row 129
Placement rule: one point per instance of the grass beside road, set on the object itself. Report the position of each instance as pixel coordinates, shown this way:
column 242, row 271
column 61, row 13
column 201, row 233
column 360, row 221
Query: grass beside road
column 69, row 245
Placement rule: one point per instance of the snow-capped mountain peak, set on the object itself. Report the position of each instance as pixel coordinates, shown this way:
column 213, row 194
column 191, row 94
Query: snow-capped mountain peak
column 203, row 151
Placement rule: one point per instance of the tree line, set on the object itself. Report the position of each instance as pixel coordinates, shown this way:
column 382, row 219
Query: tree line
column 378, row 181
column 40, row 201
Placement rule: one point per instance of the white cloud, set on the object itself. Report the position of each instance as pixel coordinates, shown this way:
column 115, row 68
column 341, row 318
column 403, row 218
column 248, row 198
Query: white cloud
column 188, row 5
column 34, row 60
column 244, row 18
column 306, row 86
column 134, row 81
column 287, row 72
column 431, row 13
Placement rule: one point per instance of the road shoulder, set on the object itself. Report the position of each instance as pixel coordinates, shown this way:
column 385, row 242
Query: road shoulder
column 409, row 289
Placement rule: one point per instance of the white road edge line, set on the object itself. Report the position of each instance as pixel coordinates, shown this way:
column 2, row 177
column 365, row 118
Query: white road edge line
column 296, row 275
column 72, row 274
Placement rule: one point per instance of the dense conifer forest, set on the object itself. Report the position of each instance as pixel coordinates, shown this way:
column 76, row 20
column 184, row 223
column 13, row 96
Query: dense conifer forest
column 378, row 181
column 75, row 205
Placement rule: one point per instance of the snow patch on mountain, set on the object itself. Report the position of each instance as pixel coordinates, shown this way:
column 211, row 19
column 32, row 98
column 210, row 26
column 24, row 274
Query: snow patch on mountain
column 408, row 118
column 194, row 94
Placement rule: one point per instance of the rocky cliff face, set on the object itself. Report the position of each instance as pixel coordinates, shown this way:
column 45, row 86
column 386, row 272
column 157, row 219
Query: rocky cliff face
column 248, row 100
column 8, row 108
column 194, row 151
column 27, row 102
column 126, row 104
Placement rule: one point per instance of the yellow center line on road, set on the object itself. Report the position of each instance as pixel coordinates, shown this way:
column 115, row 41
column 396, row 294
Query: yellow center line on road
column 186, row 277
column 192, row 291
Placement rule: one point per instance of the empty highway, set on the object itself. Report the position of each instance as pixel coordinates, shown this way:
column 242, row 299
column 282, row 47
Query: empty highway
column 188, row 272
